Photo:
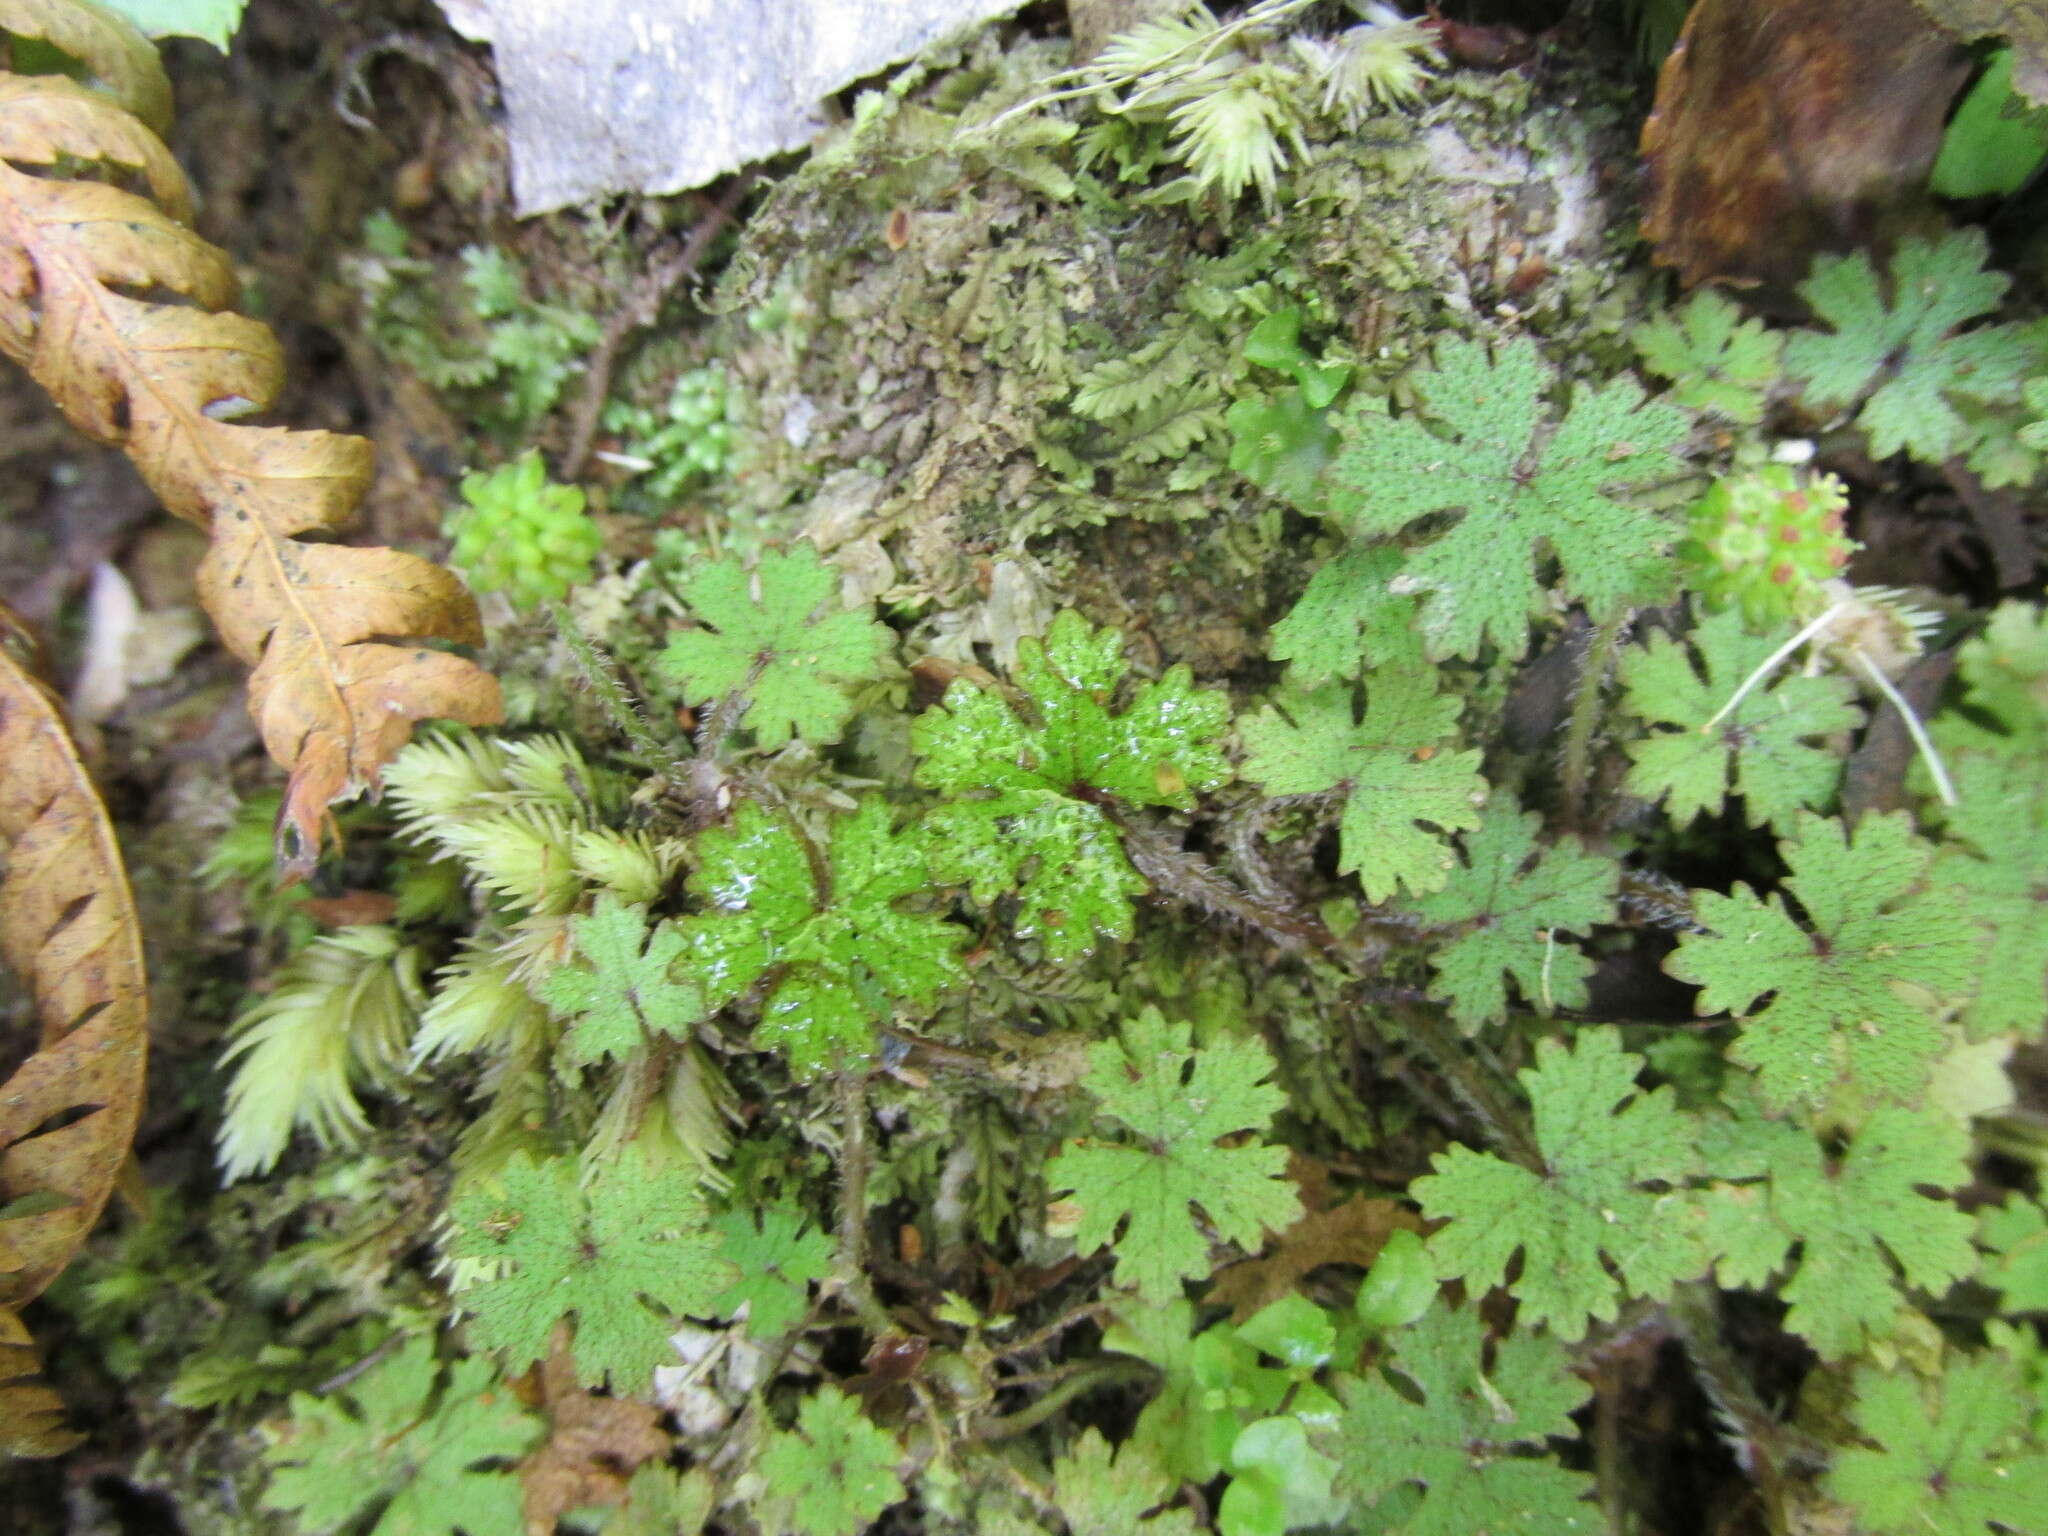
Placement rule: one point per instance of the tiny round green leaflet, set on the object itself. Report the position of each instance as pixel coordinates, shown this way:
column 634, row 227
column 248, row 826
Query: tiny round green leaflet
column 1400, row 1285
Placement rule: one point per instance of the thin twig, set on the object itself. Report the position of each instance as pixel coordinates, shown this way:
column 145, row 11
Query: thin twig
column 1112, row 1373
column 641, row 309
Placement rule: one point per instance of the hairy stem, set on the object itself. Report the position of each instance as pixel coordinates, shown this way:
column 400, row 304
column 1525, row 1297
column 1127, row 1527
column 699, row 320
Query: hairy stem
column 1576, row 769
column 601, row 676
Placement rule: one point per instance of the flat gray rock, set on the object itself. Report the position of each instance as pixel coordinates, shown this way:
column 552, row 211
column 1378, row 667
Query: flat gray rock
column 655, row 96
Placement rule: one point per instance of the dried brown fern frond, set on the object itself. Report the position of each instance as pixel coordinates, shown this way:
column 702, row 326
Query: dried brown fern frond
column 68, row 930
column 117, row 309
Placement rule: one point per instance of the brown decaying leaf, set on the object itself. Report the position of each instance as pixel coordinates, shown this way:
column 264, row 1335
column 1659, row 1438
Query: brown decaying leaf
column 115, row 308
column 68, row 930
column 2023, row 24
column 594, row 1445
column 1783, row 128
column 1351, row 1233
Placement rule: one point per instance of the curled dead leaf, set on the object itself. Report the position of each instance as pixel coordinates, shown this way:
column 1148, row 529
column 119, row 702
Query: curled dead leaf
column 119, row 311
column 69, row 931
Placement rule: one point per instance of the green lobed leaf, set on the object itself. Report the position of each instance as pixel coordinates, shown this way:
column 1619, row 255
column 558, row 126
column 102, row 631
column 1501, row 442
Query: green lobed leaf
column 390, row 1435
column 1509, row 902
column 624, row 991
column 1463, row 1429
column 1836, row 1008
column 1899, row 348
column 1607, row 1216
column 1718, row 362
column 779, row 636
column 2005, row 672
column 1951, row 1459
column 2015, row 1238
column 1994, row 863
column 556, row 1249
column 1404, row 792
column 1347, row 620
column 1473, row 448
column 1103, row 1495
column 1178, row 1102
column 1763, row 750
column 1846, row 1214
column 834, row 1472
column 775, row 1261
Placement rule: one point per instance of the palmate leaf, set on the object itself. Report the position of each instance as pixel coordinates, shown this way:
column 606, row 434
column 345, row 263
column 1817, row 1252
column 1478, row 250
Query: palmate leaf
column 779, row 636
column 833, row 1473
column 1475, row 447
column 1508, row 903
column 1995, row 859
column 390, row 1436
column 775, row 1260
column 1718, row 362
column 1404, row 789
column 1763, row 750
column 1101, row 1495
column 1898, row 343
column 1179, row 1102
column 1836, row 1003
column 623, row 991
column 1845, row 1214
column 554, row 1248
column 836, row 958
column 1607, row 1217
column 2005, row 671
column 1027, row 816
column 1347, row 620
column 1463, row 1432
column 1951, row 1459
column 2015, row 1239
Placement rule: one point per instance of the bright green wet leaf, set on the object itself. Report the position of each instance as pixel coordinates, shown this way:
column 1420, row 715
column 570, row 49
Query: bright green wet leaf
column 1025, row 814
column 837, row 960
column 1400, row 1285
